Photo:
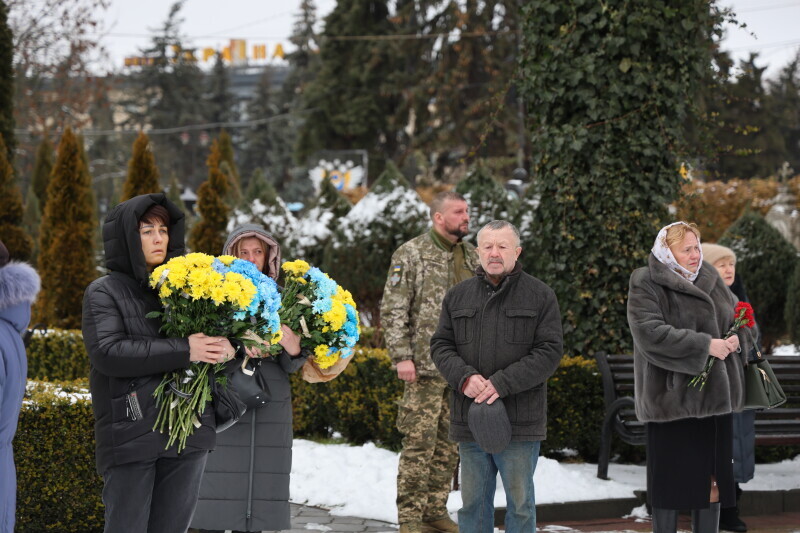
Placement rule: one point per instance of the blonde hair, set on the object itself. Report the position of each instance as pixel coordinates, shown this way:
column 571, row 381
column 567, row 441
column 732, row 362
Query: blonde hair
column 676, row 233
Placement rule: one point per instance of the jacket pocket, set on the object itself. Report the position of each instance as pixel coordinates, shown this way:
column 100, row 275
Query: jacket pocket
column 463, row 325
column 520, row 325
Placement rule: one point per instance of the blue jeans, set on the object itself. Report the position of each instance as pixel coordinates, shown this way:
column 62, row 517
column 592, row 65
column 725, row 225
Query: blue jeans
column 516, row 465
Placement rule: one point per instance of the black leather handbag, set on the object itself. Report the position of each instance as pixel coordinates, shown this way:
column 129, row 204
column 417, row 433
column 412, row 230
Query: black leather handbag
column 241, row 388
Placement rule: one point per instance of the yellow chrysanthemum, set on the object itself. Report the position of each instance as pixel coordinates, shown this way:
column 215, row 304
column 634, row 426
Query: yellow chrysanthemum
column 198, row 259
column 297, row 268
column 276, row 338
column 226, row 259
column 156, row 275
column 238, row 290
column 218, row 295
column 165, row 291
column 301, row 281
column 322, row 358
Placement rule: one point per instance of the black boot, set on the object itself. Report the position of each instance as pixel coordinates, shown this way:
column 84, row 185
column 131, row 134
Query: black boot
column 729, row 520
column 706, row 520
column 665, row 520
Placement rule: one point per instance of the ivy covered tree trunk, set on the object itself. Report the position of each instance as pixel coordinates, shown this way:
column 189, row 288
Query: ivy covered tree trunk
column 66, row 257
column 208, row 234
column 15, row 238
column 766, row 262
column 608, row 86
column 142, row 170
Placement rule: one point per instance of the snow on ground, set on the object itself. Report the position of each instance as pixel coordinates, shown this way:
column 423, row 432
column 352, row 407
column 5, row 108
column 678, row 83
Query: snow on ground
column 361, row 480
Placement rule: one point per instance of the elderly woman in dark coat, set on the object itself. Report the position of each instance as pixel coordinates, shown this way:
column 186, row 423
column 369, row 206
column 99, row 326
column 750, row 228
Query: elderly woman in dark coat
column 744, row 430
column 19, row 284
column 679, row 310
column 246, row 483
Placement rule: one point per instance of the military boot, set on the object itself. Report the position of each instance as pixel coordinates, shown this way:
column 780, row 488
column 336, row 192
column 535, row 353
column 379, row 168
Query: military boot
column 411, row 527
column 442, row 525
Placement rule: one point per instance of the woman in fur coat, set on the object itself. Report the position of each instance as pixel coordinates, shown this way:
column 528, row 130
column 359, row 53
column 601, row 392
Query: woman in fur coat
column 679, row 311
column 19, row 284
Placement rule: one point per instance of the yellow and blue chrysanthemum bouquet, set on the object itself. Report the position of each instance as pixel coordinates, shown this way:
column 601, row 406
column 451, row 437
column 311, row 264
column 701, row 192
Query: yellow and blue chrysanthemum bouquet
column 320, row 311
column 217, row 296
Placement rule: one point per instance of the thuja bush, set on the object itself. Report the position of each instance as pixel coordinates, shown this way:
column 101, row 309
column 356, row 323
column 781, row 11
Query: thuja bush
column 609, row 86
column 57, row 355
column 58, row 488
column 766, row 262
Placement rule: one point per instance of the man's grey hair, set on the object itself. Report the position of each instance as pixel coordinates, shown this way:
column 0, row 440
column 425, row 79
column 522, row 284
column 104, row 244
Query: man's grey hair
column 495, row 225
column 438, row 201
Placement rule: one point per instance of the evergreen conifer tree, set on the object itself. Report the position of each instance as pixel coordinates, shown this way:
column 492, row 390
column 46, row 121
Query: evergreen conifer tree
column 174, row 192
column 270, row 211
column 486, row 198
column 227, row 158
column 257, row 186
column 361, row 247
column 313, row 230
column 42, row 169
column 766, row 262
column 792, row 310
column 7, row 84
column 142, row 170
column 66, row 254
column 607, row 105
column 220, row 106
column 209, row 232
column 31, row 219
column 15, row 238
column 355, row 115
column 170, row 94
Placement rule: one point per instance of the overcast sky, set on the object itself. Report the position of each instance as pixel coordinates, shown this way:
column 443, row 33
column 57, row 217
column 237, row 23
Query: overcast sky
column 772, row 26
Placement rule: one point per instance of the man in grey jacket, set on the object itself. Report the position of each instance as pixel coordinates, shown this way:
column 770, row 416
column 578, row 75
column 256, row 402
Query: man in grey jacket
column 499, row 339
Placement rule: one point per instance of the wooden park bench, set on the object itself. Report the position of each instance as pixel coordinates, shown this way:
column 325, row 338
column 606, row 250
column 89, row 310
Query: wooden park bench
column 780, row 425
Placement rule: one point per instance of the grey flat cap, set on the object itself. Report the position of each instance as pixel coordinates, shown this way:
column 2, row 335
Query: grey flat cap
column 490, row 426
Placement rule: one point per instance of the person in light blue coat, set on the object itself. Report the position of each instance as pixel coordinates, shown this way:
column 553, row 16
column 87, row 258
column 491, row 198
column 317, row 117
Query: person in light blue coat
column 19, row 284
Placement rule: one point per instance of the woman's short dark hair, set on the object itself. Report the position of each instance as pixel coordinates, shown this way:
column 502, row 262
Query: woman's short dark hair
column 156, row 213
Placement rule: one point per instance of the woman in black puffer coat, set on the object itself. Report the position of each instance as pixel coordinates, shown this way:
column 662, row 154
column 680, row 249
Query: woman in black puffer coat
column 246, row 483
column 148, row 488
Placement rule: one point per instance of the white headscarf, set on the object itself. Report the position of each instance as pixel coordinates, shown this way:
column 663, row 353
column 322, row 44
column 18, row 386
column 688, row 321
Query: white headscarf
column 664, row 254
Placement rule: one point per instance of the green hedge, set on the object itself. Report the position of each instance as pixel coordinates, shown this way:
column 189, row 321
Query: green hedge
column 57, row 487
column 360, row 404
column 58, row 355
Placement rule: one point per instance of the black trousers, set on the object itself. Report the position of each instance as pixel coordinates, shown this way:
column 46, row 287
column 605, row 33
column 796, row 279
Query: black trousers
column 154, row 496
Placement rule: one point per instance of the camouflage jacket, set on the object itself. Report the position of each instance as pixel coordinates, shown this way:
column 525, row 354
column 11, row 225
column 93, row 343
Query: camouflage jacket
column 419, row 276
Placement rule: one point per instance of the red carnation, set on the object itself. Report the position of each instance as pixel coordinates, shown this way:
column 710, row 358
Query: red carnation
column 742, row 318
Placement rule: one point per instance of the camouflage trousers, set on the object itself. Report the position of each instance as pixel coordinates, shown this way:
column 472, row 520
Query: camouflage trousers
column 428, row 457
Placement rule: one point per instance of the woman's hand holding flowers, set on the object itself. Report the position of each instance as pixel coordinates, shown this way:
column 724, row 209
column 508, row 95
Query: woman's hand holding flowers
column 719, row 348
column 290, row 341
column 206, row 349
column 733, row 343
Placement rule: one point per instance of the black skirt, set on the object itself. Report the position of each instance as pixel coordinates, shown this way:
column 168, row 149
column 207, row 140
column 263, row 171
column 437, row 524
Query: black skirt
column 681, row 458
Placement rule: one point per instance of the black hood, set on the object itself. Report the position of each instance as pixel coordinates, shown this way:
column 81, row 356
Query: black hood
column 121, row 241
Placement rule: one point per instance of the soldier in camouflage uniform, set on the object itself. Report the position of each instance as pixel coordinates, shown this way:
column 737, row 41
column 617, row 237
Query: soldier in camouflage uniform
column 421, row 272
